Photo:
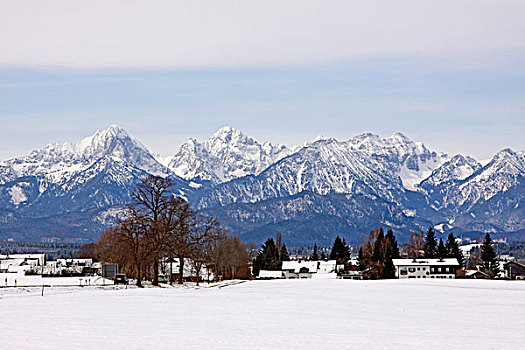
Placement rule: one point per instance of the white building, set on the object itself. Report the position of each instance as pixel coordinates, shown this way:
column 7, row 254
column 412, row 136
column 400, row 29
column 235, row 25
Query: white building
column 297, row 266
column 426, row 268
column 328, row 266
column 74, row 262
column 14, row 263
column 169, row 268
column 266, row 274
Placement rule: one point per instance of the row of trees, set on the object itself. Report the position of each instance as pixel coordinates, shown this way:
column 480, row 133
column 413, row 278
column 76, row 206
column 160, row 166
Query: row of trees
column 433, row 250
column 159, row 225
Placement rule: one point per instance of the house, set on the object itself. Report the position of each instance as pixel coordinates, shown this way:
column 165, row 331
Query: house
column 15, row 263
column 514, row 270
column 266, row 274
column 170, row 269
column 352, row 275
column 426, row 268
column 74, row 262
column 476, row 274
column 295, row 266
column 328, row 266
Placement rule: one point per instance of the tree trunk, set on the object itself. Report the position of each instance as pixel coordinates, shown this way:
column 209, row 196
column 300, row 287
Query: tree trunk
column 171, row 271
column 198, row 275
column 156, row 272
column 181, row 270
column 139, row 276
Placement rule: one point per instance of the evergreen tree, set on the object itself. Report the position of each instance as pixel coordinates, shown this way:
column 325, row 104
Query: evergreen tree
column 284, row 254
column 346, row 250
column 338, row 249
column 361, row 265
column 430, row 244
column 323, row 256
column 392, row 241
column 441, row 250
column 489, row 257
column 379, row 245
column 453, row 250
column 388, row 270
column 391, row 252
column 268, row 258
column 315, row 255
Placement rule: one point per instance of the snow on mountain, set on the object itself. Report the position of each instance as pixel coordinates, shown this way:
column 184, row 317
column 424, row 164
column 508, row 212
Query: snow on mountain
column 231, row 172
column 228, row 154
column 323, row 167
column 412, row 161
column 457, row 168
column 57, row 162
column 60, row 168
column 505, row 170
column 442, row 179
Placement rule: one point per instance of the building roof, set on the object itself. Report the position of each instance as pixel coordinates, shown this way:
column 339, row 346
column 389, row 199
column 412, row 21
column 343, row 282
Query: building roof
column 473, row 272
column 296, row 265
column 270, row 274
column 425, row 262
column 513, row 262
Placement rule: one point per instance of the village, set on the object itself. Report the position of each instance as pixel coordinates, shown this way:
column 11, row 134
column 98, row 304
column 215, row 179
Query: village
column 23, row 270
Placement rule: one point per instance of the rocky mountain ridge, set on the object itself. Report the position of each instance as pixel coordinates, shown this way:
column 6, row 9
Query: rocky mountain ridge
column 256, row 188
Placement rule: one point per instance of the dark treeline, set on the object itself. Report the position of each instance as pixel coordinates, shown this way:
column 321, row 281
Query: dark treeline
column 271, row 255
column 159, row 225
column 51, row 249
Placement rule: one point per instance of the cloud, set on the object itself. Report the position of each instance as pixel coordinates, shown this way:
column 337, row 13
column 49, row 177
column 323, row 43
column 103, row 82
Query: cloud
column 179, row 34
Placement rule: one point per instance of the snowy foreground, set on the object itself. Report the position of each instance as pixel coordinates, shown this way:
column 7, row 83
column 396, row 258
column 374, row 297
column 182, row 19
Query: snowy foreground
column 306, row 314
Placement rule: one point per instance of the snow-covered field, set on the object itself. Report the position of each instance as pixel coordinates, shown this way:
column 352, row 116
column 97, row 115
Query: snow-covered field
column 21, row 280
column 290, row 314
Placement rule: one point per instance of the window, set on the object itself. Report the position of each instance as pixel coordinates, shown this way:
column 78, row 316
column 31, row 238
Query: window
column 418, row 268
column 411, row 269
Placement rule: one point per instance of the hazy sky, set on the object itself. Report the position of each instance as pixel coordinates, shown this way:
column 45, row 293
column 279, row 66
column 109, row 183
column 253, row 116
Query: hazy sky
column 448, row 73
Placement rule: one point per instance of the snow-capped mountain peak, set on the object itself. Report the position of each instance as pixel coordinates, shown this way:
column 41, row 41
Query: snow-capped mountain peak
column 226, row 155
column 412, row 160
column 57, row 162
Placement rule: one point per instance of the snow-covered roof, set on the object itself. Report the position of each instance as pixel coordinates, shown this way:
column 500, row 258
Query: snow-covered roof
column 426, row 262
column 473, row 272
column 22, row 256
column 466, row 248
column 270, row 274
column 297, row 265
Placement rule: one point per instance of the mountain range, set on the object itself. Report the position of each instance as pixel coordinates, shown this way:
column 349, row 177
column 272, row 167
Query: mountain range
column 310, row 193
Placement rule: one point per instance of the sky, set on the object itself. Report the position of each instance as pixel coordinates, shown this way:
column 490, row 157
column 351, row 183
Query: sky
column 448, row 73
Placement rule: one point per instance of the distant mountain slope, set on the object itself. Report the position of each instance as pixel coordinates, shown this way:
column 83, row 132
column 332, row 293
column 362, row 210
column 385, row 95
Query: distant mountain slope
column 367, row 164
column 310, row 193
column 308, row 217
column 98, row 172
